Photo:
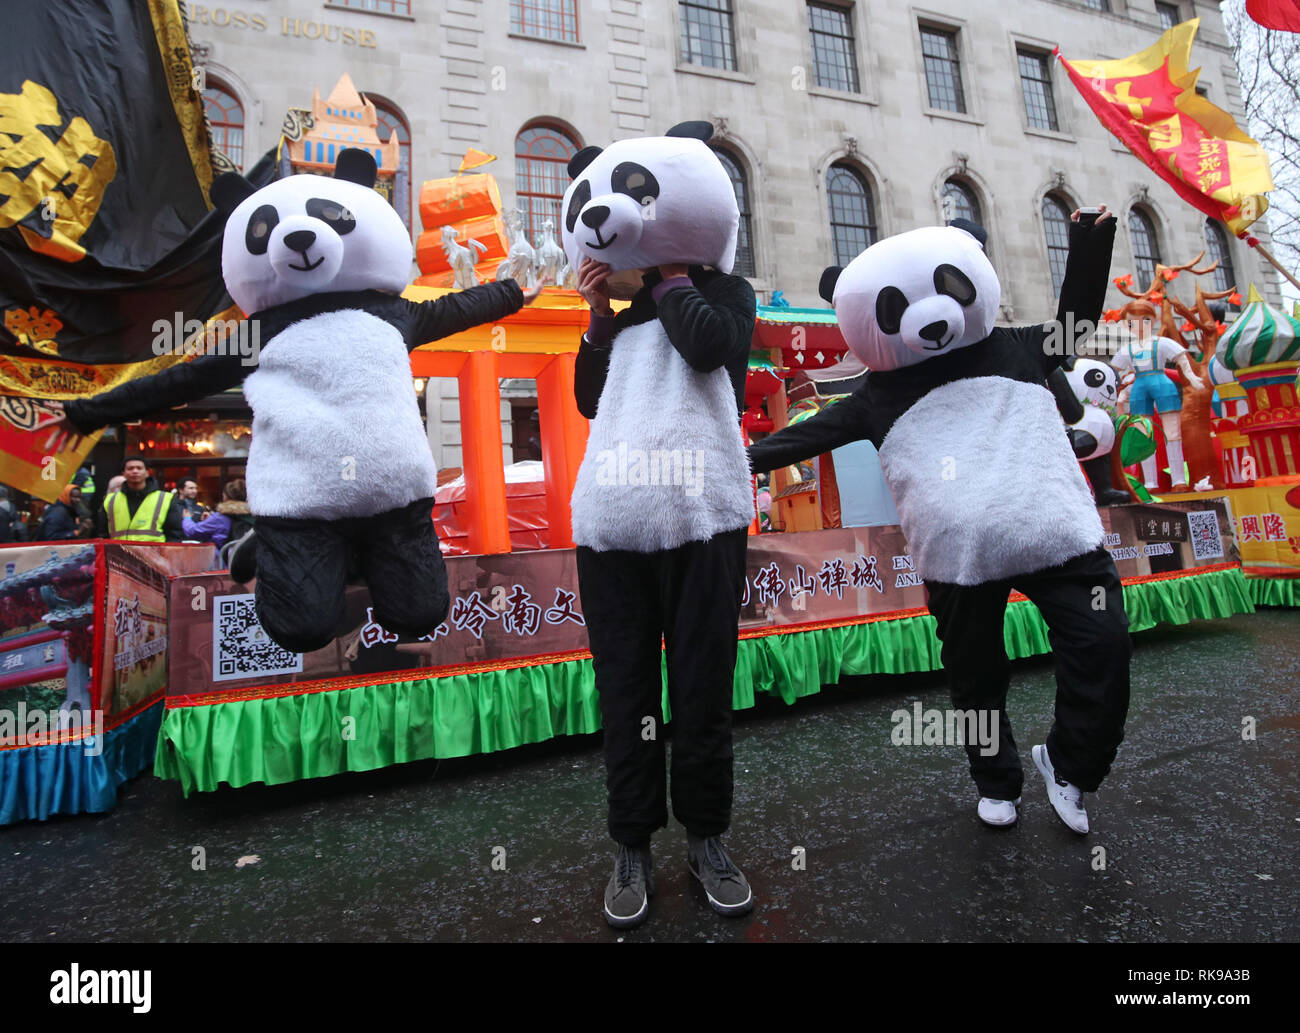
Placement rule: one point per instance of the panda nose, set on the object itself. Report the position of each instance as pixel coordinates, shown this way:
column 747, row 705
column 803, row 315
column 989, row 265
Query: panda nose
column 300, row 240
column 934, row 331
column 594, row 216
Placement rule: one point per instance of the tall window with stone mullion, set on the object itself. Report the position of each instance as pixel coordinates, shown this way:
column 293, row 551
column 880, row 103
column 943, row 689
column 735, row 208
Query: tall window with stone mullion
column 744, row 265
column 1036, row 84
column 1146, row 248
column 708, row 35
column 1056, row 227
column 835, row 65
column 853, row 218
column 942, row 69
column 1216, row 244
column 542, row 154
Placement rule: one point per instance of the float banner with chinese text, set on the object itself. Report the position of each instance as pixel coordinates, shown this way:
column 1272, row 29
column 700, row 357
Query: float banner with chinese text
column 523, row 608
column 1149, row 101
column 1267, row 524
column 133, row 664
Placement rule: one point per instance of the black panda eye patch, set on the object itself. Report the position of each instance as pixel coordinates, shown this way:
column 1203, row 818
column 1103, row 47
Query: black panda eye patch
column 1094, row 378
column 257, row 237
column 950, row 280
column 636, row 181
column 333, row 214
column 576, row 203
column 891, row 303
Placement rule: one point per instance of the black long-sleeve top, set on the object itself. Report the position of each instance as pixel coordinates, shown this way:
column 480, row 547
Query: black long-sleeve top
column 711, row 324
column 189, row 381
column 1026, row 353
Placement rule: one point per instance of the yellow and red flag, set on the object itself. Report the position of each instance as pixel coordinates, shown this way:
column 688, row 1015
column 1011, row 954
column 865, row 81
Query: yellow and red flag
column 1283, row 15
column 1149, row 101
column 474, row 159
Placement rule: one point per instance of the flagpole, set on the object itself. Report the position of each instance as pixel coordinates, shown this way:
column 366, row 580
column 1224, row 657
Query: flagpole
column 1254, row 242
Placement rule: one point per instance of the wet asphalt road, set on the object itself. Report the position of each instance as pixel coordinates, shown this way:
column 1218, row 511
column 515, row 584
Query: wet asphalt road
column 1200, row 831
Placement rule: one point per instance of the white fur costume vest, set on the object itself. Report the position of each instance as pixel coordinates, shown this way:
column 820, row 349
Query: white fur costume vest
column 985, row 483
column 665, row 462
column 336, row 426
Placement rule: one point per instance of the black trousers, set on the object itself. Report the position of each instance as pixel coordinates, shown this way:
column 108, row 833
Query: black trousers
column 691, row 597
column 303, row 566
column 1082, row 602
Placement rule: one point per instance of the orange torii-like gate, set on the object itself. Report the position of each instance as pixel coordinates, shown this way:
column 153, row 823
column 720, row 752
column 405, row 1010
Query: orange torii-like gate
column 539, row 342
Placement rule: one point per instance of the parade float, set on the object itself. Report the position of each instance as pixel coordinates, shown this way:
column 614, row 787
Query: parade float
column 822, row 600
column 1259, row 432
column 84, row 633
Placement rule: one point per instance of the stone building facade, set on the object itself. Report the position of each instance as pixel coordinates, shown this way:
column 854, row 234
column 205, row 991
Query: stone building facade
column 841, row 122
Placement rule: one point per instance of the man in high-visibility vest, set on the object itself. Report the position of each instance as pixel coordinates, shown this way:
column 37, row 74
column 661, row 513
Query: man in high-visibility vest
column 140, row 511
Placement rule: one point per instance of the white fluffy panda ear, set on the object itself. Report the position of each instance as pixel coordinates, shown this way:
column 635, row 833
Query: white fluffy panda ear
column 826, row 287
column 581, row 160
column 356, row 166
column 692, row 130
column 228, row 191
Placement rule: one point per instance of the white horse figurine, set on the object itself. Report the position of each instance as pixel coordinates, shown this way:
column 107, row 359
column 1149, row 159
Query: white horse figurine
column 550, row 256
column 461, row 258
column 518, row 264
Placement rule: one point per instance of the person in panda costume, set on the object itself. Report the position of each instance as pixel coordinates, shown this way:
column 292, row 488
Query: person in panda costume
column 988, row 491
column 662, row 500
column 339, row 474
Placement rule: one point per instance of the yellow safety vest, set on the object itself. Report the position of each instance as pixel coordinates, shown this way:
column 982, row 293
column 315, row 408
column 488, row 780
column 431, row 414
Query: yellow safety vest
column 146, row 525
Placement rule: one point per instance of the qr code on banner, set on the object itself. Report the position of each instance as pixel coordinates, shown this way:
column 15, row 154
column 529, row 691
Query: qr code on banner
column 1206, row 541
column 240, row 648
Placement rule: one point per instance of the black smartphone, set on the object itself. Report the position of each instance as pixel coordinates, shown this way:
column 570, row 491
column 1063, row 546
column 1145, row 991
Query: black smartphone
column 1088, row 216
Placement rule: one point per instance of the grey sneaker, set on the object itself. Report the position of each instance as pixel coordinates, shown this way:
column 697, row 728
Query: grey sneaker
column 627, row 896
column 723, row 882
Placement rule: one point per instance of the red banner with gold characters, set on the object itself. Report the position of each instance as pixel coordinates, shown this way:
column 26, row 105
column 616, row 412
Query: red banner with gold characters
column 1149, row 101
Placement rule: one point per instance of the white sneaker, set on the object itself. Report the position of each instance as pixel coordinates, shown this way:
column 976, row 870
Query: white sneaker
column 998, row 812
column 1067, row 800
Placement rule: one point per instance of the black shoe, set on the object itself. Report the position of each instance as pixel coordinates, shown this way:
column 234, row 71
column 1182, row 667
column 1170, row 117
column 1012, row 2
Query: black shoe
column 627, row 896
column 723, row 882
column 243, row 559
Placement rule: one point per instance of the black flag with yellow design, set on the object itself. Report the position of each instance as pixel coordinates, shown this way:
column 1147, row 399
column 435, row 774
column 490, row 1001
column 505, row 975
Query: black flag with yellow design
column 105, row 225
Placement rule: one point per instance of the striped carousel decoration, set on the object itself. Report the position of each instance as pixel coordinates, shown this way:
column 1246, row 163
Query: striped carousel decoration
column 1263, row 349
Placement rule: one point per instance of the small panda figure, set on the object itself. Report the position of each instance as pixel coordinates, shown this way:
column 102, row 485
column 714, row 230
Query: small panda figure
column 1096, row 385
column 339, row 469
column 662, row 500
column 988, row 491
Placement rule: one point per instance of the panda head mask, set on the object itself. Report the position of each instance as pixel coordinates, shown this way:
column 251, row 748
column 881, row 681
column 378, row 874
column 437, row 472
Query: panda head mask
column 307, row 234
column 1094, row 382
column 914, row 296
column 651, row 201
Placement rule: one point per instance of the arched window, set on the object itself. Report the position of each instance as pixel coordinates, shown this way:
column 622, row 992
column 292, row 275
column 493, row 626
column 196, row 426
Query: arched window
column 542, row 154
column 1216, row 243
column 960, row 202
column 226, row 119
column 1056, row 227
column 1146, row 249
column 391, row 120
column 744, row 240
column 853, row 218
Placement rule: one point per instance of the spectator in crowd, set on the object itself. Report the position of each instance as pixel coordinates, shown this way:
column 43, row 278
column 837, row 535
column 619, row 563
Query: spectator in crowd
column 12, row 529
column 231, row 521
column 61, row 520
column 187, row 494
column 140, row 511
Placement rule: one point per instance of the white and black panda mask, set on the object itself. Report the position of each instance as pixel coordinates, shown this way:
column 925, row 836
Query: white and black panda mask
column 307, row 234
column 1094, row 382
column 655, row 200
column 914, row 296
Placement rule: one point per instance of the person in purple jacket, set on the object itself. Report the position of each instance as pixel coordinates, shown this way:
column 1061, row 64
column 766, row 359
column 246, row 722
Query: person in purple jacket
column 230, row 520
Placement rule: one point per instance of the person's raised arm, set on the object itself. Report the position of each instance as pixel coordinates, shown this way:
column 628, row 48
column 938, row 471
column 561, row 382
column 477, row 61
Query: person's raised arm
column 707, row 332
column 839, row 423
column 461, row 310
